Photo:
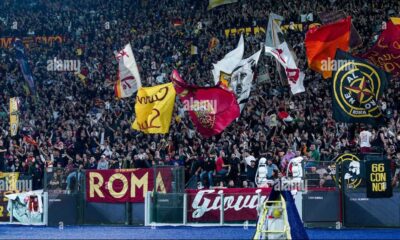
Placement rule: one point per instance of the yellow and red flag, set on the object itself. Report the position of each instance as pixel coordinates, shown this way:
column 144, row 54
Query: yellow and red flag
column 395, row 20
column 322, row 43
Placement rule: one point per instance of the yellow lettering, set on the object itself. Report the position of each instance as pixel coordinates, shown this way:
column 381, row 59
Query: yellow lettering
column 378, row 187
column 95, row 187
column 121, row 177
column 140, row 183
column 378, row 177
column 5, row 42
column 227, row 32
column 233, row 31
column 396, row 44
column 395, row 56
column 160, row 183
column 381, row 43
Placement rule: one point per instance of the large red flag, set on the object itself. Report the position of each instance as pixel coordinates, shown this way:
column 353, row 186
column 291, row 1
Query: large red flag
column 322, row 43
column 386, row 51
column 211, row 109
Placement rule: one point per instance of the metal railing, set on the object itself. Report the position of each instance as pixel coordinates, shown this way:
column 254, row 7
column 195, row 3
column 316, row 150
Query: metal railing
column 182, row 209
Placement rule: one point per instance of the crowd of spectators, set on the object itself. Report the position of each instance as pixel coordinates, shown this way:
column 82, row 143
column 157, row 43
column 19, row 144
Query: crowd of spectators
column 68, row 117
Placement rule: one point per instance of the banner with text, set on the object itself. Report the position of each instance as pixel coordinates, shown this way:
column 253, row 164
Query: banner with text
column 386, row 51
column 11, row 183
column 153, row 108
column 240, row 204
column 125, row 185
column 378, row 179
column 244, row 30
column 6, row 42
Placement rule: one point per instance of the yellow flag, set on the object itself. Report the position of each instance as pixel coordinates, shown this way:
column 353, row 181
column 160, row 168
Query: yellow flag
column 81, row 77
column 153, row 108
column 215, row 3
column 14, row 118
column 79, row 51
column 395, row 20
column 11, row 179
column 193, row 50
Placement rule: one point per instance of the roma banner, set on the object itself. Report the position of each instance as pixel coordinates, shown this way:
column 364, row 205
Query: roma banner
column 233, row 32
column 357, row 88
column 294, row 76
column 321, row 44
column 386, row 51
column 14, row 116
column 223, row 69
column 334, row 16
column 215, row 3
column 6, row 42
column 125, row 185
column 128, row 80
column 240, row 204
column 211, row 109
column 153, row 108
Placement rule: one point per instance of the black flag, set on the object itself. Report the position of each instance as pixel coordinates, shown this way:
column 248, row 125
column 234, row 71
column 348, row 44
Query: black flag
column 357, row 87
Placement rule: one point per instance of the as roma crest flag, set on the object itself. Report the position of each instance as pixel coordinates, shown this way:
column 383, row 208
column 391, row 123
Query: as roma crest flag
column 386, row 51
column 321, row 44
column 357, row 87
column 211, row 109
column 153, row 108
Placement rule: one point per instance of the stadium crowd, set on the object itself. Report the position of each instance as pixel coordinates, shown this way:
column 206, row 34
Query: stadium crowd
column 69, row 116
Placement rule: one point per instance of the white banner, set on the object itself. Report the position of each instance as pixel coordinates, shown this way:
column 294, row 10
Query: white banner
column 294, row 76
column 242, row 79
column 273, row 30
column 128, row 74
column 225, row 67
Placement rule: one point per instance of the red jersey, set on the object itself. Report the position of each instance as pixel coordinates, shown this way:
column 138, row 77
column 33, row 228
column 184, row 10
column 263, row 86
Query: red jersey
column 219, row 164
